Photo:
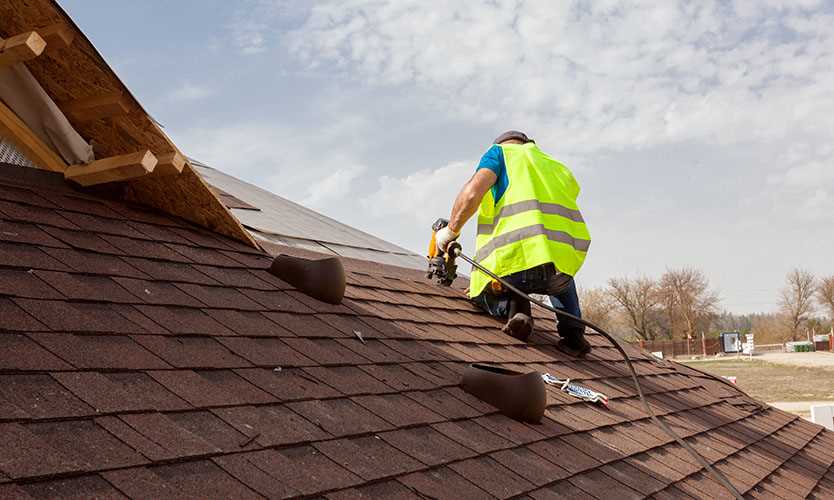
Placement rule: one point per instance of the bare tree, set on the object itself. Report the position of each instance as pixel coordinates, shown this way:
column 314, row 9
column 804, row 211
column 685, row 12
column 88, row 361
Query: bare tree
column 825, row 295
column 690, row 305
column 638, row 298
column 598, row 306
column 796, row 299
column 770, row 328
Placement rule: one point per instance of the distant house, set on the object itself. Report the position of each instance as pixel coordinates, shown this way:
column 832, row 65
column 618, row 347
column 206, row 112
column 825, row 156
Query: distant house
column 145, row 352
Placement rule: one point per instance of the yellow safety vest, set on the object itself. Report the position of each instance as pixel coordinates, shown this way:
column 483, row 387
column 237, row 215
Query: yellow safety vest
column 536, row 221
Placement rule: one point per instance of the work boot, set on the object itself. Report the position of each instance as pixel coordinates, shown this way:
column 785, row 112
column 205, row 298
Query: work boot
column 575, row 345
column 520, row 326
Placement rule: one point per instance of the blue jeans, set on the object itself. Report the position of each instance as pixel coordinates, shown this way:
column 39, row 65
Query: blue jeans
column 543, row 280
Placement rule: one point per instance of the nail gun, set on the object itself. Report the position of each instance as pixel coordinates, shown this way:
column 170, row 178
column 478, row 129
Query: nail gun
column 442, row 267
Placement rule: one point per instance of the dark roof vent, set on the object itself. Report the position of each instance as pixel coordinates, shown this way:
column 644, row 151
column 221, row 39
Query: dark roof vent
column 322, row 279
column 520, row 396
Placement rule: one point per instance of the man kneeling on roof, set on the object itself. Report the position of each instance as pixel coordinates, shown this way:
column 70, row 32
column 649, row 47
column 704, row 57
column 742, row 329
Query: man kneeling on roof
column 530, row 232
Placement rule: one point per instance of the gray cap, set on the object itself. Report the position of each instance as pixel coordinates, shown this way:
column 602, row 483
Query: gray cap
column 512, row 134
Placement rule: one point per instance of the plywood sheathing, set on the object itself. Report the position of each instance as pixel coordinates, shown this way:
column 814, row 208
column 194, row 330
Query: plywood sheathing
column 77, row 72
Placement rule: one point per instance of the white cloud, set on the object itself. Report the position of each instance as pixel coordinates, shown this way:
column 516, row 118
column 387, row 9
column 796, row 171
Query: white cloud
column 188, row 91
column 410, row 196
column 592, row 75
column 303, row 166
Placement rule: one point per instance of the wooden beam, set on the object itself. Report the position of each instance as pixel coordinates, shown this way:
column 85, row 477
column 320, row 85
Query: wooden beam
column 169, row 164
column 15, row 130
column 21, row 48
column 113, row 169
column 93, row 108
column 57, row 36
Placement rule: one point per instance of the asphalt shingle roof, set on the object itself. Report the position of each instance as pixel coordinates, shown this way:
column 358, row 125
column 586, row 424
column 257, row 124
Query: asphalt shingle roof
column 142, row 357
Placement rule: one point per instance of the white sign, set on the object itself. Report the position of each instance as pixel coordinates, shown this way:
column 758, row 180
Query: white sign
column 748, row 346
column 823, row 415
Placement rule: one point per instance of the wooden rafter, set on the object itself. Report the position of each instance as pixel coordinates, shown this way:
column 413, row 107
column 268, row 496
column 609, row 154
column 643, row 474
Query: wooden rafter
column 57, row 36
column 113, row 169
column 93, row 108
column 13, row 128
column 169, row 164
column 22, row 47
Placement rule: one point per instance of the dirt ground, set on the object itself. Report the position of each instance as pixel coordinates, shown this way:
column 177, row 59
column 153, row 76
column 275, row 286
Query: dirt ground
column 771, row 382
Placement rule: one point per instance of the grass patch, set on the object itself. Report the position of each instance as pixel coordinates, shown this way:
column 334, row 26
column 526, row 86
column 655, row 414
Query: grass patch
column 773, row 382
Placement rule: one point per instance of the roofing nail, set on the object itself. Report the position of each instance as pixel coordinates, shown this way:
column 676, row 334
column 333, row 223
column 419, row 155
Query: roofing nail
column 359, row 336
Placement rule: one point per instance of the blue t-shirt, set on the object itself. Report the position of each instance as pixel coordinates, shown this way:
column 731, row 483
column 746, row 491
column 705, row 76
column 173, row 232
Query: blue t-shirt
column 493, row 160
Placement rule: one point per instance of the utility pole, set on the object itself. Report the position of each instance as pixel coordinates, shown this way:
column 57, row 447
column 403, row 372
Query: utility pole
column 704, row 344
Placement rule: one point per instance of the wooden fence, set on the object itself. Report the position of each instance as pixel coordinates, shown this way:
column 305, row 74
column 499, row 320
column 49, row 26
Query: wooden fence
column 675, row 348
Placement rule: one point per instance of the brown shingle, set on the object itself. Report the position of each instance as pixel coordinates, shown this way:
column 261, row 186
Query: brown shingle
column 157, row 292
column 210, row 388
column 24, row 454
column 426, row 445
column 184, row 320
column 443, row 483
column 82, row 240
column 169, row 271
column 176, row 440
column 271, row 425
column 237, row 278
column 40, row 396
column 397, row 377
column 120, row 392
column 76, row 316
column 288, row 384
column 89, row 486
column 197, row 479
column 18, row 352
column 28, row 257
column 13, row 317
column 16, row 232
column 91, row 262
column 199, row 255
column 303, row 470
column 325, row 351
column 21, row 283
column 473, row 436
column 443, row 403
column 248, row 323
column 89, row 445
column 99, row 351
column 491, row 476
column 219, row 296
column 261, row 351
column 368, row 457
column 398, row 409
column 348, row 380
column 191, row 351
column 143, row 248
column 305, row 326
column 340, row 417
column 84, row 287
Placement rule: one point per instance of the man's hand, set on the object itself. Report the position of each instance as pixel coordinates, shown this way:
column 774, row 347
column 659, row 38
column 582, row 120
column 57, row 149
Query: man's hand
column 444, row 237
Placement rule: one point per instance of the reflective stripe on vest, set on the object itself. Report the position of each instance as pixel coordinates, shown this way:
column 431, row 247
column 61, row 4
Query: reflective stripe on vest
column 524, row 206
column 535, row 222
column 529, row 232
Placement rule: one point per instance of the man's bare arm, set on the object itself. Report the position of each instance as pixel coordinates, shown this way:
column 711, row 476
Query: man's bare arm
column 470, row 197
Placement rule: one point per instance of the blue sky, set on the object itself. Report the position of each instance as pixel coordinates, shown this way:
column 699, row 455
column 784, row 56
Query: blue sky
column 699, row 131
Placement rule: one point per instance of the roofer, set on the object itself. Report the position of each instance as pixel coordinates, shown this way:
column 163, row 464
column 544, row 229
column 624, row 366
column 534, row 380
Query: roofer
column 530, row 231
